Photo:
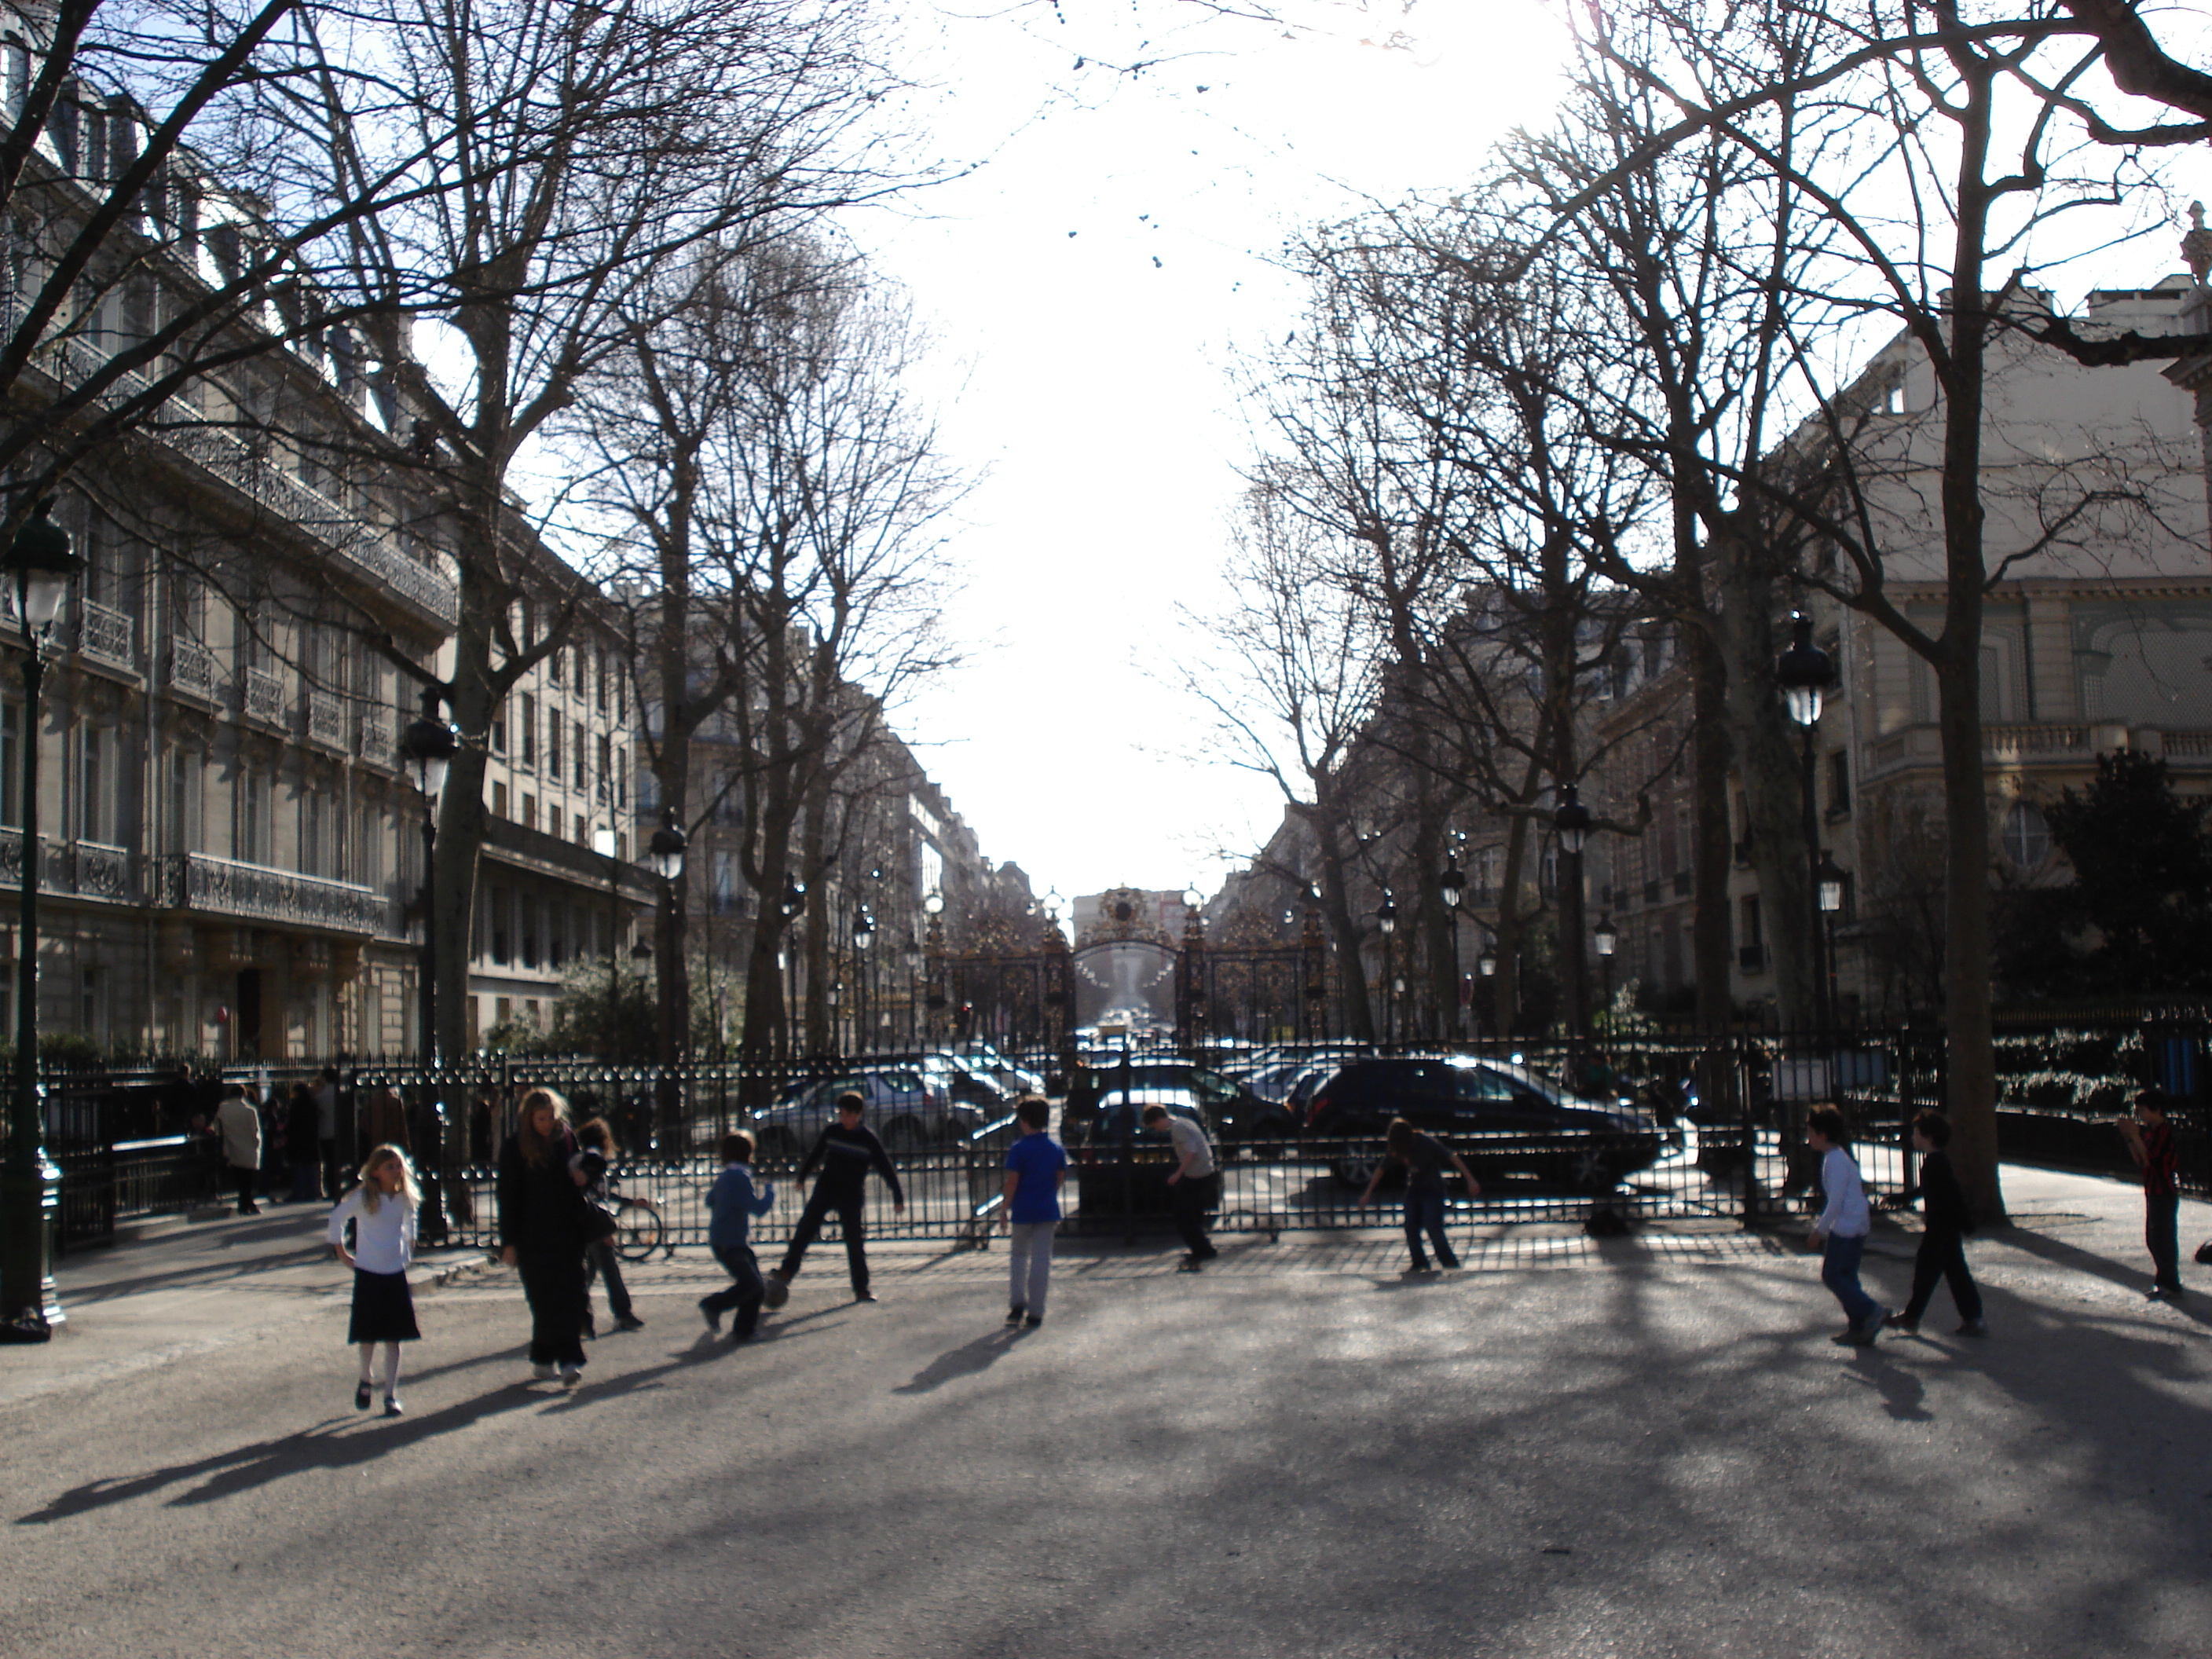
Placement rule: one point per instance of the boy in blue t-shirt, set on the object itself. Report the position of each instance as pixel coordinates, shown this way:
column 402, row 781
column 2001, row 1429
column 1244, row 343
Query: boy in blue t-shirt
column 1035, row 1166
column 732, row 1204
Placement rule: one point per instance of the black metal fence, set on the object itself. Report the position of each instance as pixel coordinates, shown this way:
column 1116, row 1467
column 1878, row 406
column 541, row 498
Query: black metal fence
column 130, row 1143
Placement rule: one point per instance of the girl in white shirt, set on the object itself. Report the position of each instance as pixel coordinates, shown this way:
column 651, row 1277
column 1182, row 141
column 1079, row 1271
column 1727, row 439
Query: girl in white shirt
column 382, row 1209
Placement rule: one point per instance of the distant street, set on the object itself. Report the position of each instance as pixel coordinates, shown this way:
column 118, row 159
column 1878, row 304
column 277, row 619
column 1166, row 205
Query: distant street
column 1641, row 1447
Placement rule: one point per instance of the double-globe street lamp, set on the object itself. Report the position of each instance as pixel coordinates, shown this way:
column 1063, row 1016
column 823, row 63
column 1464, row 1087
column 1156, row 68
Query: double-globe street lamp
column 41, row 563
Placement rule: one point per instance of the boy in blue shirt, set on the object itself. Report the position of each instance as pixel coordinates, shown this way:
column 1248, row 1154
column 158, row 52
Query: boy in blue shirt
column 1036, row 1167
column 731, row 1202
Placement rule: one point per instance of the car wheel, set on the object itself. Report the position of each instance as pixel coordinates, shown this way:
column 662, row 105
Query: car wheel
column 1592, row 1171
column 1353, row 1172
column 905, row 1134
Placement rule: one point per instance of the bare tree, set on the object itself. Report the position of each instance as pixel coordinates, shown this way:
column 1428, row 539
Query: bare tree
column 759, row 434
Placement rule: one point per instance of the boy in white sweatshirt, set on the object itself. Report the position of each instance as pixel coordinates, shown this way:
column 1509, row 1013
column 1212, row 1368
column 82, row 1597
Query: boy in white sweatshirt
column 1840, row 1232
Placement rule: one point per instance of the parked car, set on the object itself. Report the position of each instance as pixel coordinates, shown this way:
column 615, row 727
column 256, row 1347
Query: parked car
column 981, row 1056
column 904, row 1106
column 968, row 1084
column 1233, row 1114
column 1503, row 1119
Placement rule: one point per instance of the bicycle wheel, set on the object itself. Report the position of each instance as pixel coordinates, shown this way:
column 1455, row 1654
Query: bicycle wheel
column 637, row 1228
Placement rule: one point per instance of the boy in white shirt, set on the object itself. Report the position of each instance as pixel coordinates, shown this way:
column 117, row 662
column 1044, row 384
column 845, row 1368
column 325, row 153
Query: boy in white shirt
column 1840, row 1232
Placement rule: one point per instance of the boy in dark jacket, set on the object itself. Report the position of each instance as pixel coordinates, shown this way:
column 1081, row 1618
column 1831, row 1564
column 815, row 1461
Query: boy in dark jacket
column 847, row 1151
column 1943, row 1240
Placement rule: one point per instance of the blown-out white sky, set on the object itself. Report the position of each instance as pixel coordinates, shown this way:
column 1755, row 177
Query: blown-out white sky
column 1090, row 290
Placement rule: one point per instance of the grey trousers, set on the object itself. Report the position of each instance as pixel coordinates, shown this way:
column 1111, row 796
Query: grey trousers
column 1028, row 1258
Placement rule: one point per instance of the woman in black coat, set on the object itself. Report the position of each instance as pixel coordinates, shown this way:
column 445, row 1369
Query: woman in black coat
column 543, row 1224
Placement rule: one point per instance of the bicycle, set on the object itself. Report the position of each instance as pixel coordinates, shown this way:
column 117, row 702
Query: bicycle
column 639, row 1229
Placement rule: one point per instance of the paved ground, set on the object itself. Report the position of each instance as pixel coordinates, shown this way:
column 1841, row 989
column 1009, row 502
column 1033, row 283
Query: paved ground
column 1638, row 1447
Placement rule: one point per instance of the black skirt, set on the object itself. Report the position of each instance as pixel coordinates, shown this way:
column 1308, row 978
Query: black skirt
column 383, row 1309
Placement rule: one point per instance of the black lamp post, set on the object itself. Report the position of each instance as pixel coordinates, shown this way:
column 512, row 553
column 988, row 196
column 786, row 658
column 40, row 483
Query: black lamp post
column 1386, row 923
column 933, row 906
column 1451, row 888
column 1191, row 966
column 430, row 744
column 1804, row 673
column 1572, row 822
column 41, row 562
column 864, row 935
column 1828, row 892
column 1607, row 941
column 793, row 902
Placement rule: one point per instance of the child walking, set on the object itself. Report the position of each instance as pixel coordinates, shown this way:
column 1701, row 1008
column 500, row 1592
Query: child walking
column 1942, row 1252
column 382, row 1209
column 1036, row 1167
column 1840, row 1232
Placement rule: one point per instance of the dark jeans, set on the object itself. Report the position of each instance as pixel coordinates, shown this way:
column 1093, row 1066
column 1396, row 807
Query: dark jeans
column 1942, row 1255
column 744, row 1294
column 1187, row 1202
column 1840, row 1271
column 2162, row 1221
column 554, row 1284
column 601, row 1262
column 852, row 1212
column 243, row 1181
column 1424, row 1213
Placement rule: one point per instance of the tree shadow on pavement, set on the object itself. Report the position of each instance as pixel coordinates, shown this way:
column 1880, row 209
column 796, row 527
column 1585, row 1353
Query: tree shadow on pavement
column 969, row 1359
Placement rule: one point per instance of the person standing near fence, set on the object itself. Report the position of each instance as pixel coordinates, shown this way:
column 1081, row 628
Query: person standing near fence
column 239, row 1125
column 732, row 1204
column 1425, row 1158
column 544, row 1222
column 846, row 1149
column 1192, row 1184
column 1946, row 1222
column 1036, row 1167
column 300, row 1143
column 326, row 1129
column 382, row 1210
column 1840, row 1230
column 2150, row 1143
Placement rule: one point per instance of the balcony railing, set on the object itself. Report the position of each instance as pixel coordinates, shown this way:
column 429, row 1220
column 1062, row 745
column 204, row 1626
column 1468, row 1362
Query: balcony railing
column 200, row 881
column 84, row 869
column 264, row 696
column 191, row 667
column 106, row 633
column 326, row 719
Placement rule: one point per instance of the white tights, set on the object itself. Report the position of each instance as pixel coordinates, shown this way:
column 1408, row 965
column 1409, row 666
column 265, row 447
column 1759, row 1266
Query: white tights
column 391, row 1365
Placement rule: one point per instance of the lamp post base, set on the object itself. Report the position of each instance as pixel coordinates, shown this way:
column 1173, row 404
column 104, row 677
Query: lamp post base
column 31, row 1204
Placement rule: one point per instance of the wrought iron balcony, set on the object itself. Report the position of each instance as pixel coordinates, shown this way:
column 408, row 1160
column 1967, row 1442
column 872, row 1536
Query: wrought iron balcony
column 226, row 887
column 327, row 718
column 191, row 667
column 82, row 869
column 105, row 634
column 264, row 696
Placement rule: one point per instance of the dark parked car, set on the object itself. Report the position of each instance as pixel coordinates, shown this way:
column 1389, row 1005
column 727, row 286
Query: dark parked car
column 1503, row 1119
column 1122, row 1167
column 1232, row 1114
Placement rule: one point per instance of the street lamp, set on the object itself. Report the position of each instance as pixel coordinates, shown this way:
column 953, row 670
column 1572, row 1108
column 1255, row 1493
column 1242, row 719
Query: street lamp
column 1605, row 939
column 1828, row 891
column 1192, row 964
column 1804, row 673
column 430, row 744
column 41, row 561
column 933, row 906
column 864, row 935
column 1571, row 820
column 793, row 902
column 1386, row 922
column 1451, row 888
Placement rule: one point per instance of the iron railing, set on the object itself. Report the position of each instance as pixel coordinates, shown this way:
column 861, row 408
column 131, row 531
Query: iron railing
column 105, row 633
column 201, row 881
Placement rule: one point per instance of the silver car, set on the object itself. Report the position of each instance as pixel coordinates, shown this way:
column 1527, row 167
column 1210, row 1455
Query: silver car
column 905, row 1108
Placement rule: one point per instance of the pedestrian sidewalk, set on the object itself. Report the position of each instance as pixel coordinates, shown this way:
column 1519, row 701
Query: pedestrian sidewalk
column 176, row 1290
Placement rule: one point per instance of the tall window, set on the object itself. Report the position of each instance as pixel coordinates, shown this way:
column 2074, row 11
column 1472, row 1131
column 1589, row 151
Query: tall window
column 600, row 697
column 553, row 728
column 529, row 730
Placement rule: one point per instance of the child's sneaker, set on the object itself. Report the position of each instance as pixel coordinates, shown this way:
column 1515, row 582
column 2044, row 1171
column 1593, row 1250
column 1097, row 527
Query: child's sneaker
column 543, row 1373
column 1974, row 1328
column 1014, row 1314
column 1898, row 1322
column 713, row 1318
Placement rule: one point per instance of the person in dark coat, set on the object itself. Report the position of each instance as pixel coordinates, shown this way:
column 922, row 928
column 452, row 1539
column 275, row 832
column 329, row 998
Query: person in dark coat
column 1947, row 1221
column 301, row 1146
column 543, row 1224
column 597, row 1140
column 846, row 1149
